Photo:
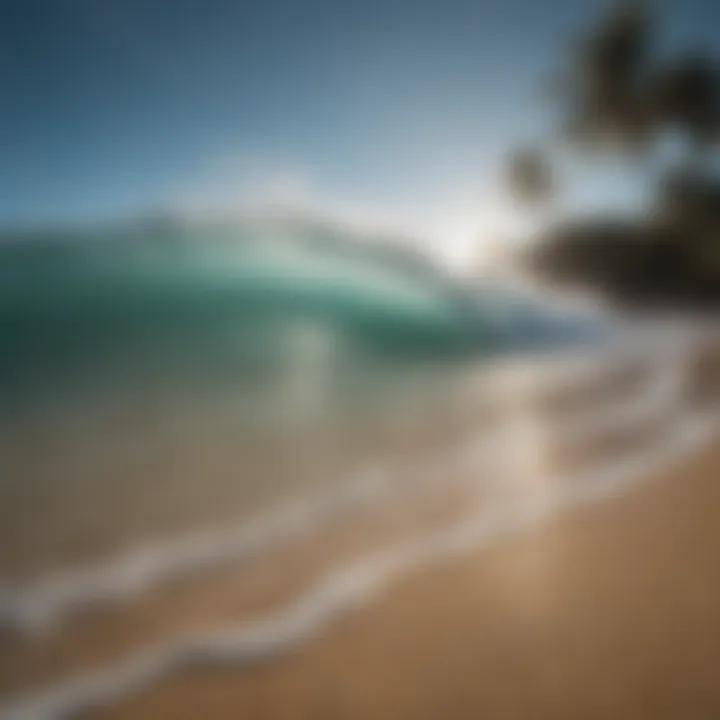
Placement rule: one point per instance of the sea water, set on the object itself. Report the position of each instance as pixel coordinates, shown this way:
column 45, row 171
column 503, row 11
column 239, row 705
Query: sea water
column 154, row 389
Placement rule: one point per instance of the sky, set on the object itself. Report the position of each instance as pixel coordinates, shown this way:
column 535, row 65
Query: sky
column 391, row 109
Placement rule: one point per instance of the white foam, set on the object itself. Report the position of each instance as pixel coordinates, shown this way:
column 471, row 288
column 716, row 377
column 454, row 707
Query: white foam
column 35, row 607
column 662, row 397
column 346, row 588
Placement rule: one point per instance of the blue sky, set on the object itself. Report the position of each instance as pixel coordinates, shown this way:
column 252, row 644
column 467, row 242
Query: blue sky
column 108, row 107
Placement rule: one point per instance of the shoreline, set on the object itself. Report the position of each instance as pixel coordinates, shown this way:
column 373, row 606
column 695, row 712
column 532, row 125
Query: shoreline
column 156, row 667
column 130, row 640
column 611, row 610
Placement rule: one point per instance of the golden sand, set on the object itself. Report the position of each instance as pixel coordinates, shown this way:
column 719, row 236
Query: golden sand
column 612, row 611
column 216, row 598
column 608, row 611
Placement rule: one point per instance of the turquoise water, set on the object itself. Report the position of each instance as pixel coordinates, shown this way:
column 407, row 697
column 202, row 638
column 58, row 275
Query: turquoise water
column 150, row 388
column 86, row 310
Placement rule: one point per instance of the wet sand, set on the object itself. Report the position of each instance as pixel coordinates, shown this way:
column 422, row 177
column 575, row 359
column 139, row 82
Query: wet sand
column 244, row 589
column 610, row 611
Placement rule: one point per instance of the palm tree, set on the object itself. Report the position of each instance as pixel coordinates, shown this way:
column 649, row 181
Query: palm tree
column 617, row 96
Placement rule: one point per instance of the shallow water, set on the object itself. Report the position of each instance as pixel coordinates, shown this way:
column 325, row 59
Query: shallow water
column 148, row 394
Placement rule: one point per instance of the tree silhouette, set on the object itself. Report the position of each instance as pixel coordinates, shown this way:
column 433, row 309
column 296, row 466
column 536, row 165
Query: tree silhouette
column 530, row 176
column 618, row 96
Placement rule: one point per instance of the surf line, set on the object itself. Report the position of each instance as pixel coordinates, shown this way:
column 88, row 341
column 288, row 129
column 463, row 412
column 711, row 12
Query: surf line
column 349, row 588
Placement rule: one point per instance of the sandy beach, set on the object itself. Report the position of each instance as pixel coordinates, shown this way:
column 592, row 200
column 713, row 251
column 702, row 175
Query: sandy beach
column 525, row 569
column 216, row 598
column 611, row 611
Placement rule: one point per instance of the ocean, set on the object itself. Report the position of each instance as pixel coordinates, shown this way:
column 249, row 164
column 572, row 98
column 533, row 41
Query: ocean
column 158, row 383
column 214, row 445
